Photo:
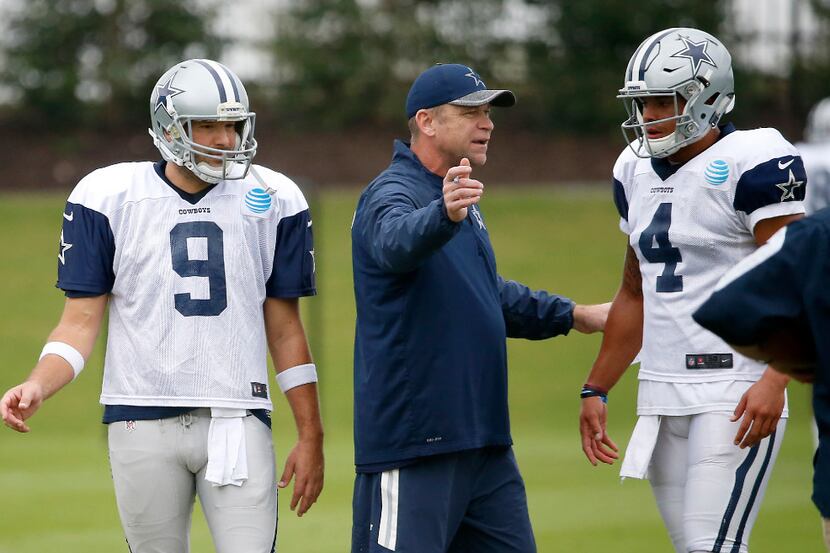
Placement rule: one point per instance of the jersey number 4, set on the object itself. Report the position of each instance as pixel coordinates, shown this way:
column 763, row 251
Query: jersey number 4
column 657, row 232
column 206, row 236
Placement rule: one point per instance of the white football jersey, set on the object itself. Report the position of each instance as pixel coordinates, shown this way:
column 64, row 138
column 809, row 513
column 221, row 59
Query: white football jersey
column 187, row 277
column 816, row 156
column 688, row 225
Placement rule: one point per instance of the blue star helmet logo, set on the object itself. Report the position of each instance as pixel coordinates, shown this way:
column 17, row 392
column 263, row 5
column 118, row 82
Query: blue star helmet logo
column 167, row 90
column 696, row 53
column 474, row 76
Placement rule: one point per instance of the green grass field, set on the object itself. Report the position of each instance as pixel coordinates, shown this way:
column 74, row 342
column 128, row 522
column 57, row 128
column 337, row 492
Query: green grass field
column 55, row 487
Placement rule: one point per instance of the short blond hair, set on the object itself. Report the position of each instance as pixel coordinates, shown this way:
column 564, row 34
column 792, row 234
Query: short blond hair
column 414, row 131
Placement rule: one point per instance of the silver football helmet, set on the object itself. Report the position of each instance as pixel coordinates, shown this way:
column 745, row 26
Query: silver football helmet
column 818, row 123
column 202, row 90
column 686, row 65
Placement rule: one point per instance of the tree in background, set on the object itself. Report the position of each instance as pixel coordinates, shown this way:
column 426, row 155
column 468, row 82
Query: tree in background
column 346, row 62
column 93, row 61
column 576, row 69
column 342, row 63
column 809, row 74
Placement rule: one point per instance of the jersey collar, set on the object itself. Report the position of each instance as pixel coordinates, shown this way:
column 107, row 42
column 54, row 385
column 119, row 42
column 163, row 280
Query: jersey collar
column 186, row 196
column 664, row 168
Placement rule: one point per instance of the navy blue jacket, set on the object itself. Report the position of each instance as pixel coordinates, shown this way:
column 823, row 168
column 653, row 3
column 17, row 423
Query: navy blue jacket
column 789, row 287
column 433, row 315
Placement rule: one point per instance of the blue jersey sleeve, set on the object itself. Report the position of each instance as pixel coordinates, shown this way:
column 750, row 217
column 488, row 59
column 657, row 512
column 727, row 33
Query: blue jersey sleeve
column 86, row 252
column 293, row 272
column 778, row 180
column 766, row 293
column 620, row 200
column 534, row 314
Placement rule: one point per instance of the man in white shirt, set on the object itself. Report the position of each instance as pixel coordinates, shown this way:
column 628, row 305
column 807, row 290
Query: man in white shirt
column 201, row 259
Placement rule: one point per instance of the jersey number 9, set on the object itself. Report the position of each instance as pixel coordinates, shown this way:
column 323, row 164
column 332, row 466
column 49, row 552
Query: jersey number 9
column 213, row 268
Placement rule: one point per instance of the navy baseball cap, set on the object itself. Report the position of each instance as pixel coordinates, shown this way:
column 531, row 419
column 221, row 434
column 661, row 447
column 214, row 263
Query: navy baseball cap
column 456, row 84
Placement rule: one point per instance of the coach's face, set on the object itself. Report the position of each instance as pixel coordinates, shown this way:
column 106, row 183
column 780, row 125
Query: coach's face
column 462, row 131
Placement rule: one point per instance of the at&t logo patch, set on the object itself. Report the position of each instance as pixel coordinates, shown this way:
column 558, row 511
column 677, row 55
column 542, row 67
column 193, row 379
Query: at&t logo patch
column 717, row 172
column 258, row 200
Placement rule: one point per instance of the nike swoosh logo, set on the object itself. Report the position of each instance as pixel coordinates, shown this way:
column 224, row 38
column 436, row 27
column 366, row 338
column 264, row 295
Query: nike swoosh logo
column 70, row 216
column 308, row 224
column 782, row 165
column 667, row 70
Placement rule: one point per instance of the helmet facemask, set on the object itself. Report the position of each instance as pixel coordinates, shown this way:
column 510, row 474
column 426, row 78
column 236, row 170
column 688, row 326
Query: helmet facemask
column 635, row 128
column 232, row 164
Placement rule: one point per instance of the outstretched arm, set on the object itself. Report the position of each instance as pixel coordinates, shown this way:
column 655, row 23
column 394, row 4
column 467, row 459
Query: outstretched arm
column 620, row 344
column 289, row 348
column 78, row 328
column 537, row 314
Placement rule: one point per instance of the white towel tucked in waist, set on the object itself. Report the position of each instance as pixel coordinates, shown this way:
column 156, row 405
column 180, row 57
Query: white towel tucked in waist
column 640, row 447
column 227, row 457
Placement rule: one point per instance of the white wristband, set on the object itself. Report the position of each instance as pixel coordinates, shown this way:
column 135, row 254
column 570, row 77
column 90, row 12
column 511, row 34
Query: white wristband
column 69, row 353
column 297, row 376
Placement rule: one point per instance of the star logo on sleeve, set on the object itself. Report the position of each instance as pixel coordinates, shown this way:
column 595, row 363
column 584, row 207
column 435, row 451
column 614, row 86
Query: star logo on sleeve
column 696, row 53
column 167, row 90
column 64, row 246
column 788, row 188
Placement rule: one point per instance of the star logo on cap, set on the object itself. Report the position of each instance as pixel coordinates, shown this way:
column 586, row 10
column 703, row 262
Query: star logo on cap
column 788, row 188
column 472, row 74
column 167, row 90
column 696, row 53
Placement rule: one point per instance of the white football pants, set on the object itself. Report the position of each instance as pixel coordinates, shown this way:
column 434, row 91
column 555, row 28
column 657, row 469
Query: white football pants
column 158, row 467
column 708, row 490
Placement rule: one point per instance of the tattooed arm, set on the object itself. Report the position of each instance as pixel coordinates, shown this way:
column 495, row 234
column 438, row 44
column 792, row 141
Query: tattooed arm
column 620, row 345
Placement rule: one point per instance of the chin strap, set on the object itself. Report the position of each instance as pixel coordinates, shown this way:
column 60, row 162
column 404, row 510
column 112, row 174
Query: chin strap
column 206, row 172
column 261, row 181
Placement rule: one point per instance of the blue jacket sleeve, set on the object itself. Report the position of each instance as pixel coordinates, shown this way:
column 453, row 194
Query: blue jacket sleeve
column 400, row 236
column 534, row 314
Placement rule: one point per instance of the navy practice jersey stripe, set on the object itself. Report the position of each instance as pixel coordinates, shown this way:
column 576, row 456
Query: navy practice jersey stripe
column 620, row 200
column 86, row 253
column 781, row 179
column 292, row 275
column 121, row 413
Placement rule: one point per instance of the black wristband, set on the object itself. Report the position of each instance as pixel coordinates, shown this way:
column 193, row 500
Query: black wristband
column 593, row 391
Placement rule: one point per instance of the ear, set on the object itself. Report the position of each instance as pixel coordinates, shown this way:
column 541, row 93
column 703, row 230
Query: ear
column 425, row 121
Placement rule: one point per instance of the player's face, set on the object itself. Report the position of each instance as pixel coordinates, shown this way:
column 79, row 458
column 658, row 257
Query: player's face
column 214, row 134
column 463, row 132
column 657, row 108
